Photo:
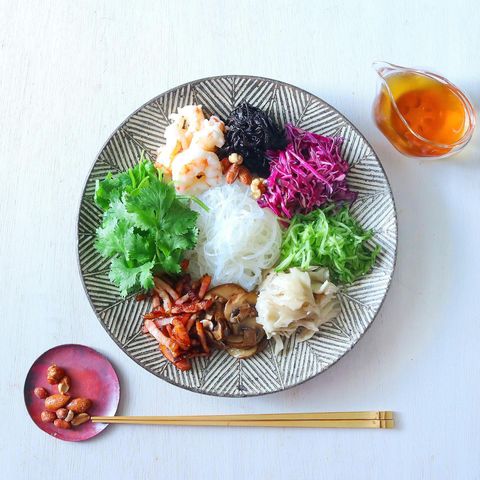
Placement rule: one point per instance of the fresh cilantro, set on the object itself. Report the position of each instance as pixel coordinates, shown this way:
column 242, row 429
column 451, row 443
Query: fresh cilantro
column 146, row 228
column 131, row 181
column 127, row 278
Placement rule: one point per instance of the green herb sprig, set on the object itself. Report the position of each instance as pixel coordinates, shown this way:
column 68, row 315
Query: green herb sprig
column 146, row 227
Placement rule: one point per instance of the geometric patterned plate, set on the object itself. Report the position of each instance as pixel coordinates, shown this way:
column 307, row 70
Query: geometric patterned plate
column 266, row 372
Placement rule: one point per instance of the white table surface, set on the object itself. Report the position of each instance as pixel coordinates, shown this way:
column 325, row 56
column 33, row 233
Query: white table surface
column 70, row 72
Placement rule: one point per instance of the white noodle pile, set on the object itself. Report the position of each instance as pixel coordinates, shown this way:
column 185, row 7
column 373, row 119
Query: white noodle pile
column 237, row 239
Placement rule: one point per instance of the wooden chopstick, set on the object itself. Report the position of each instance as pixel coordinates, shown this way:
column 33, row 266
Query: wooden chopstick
column 374, row 419
column 374, row 415
column 271, row 423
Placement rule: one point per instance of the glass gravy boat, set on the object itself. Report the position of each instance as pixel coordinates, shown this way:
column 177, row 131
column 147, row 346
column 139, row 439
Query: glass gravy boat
column 422, row 114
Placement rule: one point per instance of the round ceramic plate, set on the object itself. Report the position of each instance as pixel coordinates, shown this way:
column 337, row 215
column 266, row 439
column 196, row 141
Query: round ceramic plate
column 265, row 372
column 92, row 376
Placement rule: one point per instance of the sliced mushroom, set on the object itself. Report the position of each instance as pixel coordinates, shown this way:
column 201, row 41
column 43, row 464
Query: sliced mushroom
column 214, row 342
column 237, row 301
column 246, row 336
column 242, row 352
column 235, row 328
column 250, row 336
column 242, row 313
column 234, row 320
column 251, row 298
column 234, row 340
column 220, row 330
column 238, row 328
column 208, row 324
column 260, row 333
column 218, row 314
column 262, row 345
column 226, row 290
column 249, row 322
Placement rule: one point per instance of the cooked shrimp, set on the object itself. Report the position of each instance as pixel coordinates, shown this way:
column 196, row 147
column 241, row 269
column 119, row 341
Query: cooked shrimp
column 187, row 120
column 166, row 154
column 210, row 135
column 195, row 170
column 179, row 134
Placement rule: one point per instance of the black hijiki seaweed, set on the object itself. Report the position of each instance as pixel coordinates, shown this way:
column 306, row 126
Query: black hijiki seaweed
column 250, row 133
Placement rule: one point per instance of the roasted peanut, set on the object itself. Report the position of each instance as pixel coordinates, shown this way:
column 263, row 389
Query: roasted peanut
column 40, row 392
column 62, row 413
column 56, row 401
column 54, row 374
column 258, row 187
column 79, row 405
column 69, row 416
column 232, row 173
column 235, row 158
column 47, row 417
column 244, row 175
column 64, row 385
column 61, row 423
column 225, row 163
column 80, row 418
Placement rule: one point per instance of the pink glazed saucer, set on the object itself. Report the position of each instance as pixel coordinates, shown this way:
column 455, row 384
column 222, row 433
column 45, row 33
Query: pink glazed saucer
column 92, row 376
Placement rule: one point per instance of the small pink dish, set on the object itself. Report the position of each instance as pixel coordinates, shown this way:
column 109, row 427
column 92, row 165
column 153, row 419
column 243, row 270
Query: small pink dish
column 92, row 376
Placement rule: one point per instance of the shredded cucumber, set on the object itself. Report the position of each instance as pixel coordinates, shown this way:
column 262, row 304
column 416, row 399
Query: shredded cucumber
column 329, row 238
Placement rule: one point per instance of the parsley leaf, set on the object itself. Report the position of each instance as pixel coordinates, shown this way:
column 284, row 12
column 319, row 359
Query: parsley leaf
column 126, row 277
column 146, row 228
column 114, row 186
column 151, row 204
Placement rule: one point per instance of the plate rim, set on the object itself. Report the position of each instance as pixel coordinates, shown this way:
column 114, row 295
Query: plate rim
column 275, row 82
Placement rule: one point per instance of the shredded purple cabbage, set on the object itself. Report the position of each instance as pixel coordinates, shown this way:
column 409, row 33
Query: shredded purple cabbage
column 307, row 174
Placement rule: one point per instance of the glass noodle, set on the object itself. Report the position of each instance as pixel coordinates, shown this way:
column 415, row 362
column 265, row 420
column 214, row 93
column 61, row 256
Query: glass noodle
column 237, row 239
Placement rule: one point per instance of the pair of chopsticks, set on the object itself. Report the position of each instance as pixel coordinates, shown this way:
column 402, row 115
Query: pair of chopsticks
column 375, row 419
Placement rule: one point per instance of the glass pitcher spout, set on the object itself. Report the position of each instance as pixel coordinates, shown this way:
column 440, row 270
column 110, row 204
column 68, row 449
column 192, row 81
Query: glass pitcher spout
column 421, row 113
column 384, row 68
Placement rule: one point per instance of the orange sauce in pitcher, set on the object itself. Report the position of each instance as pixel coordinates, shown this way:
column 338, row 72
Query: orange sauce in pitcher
column 420, row 115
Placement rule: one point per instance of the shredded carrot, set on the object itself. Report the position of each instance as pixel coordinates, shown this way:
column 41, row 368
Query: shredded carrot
column 183, row 364
column 201, row 336
column 172, row 324
column 204, row 284
column 180, row 334
column 160, row 283
column 158, row 313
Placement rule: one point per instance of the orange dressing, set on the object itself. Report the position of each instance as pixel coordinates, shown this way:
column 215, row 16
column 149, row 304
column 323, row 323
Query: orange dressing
column 426, row 117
